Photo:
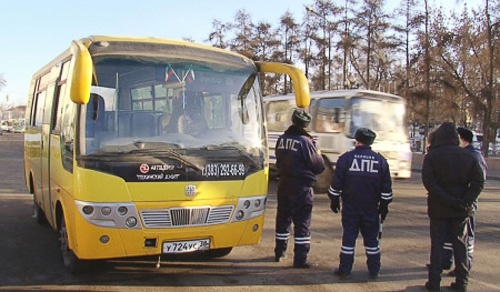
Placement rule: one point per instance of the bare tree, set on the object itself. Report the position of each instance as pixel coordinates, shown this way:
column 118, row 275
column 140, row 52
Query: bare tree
column 290, row 32
column 368, row 56
column 345, row 43
column 323, row 27
column 3, row 82
column 218, row 37
column 243, row 34
column 447, row 67
column 468, row 54
column 266, row 46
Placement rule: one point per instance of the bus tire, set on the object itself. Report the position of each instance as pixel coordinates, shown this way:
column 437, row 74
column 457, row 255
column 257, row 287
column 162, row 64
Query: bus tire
column 218, row 253
column 38, row 213
column 324, row 180
column 71, row 262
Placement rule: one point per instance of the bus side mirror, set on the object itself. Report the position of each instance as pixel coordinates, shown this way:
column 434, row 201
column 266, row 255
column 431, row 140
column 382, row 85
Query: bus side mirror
column 299, row 80
column 81, row 77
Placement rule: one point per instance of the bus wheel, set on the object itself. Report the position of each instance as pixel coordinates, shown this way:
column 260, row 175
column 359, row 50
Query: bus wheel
column 71, row 262
column 38, row 213
column 218, row 253
column 324, row 180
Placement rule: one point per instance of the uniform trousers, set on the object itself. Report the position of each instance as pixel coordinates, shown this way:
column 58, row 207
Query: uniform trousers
column 353, row 222
column 295, row 202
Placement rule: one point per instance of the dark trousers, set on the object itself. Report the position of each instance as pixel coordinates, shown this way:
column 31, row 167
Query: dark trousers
column 354, row 222
column 439, row 230
column 448, row 247
column 295, row 202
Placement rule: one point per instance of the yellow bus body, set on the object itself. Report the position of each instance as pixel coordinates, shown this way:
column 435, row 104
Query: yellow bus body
column 109, row 202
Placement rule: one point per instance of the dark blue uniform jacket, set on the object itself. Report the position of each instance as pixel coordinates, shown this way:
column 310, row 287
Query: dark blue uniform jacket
column 297, row 156
column 362, row 178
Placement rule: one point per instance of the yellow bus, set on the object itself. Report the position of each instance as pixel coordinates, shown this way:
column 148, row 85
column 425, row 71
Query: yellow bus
column 146, row 146
column 336, row 115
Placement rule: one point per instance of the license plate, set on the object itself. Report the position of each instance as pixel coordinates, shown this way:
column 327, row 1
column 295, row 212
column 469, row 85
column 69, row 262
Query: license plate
column 186, row 246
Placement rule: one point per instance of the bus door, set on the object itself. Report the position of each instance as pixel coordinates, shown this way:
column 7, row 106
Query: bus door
column 46, row 142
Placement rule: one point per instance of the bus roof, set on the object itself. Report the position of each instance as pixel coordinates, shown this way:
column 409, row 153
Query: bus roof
column 152, row 40
column 335, row 93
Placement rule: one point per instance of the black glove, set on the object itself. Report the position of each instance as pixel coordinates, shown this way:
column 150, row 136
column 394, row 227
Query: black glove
column 383, row 210
column 460, row 205
column 335, row 204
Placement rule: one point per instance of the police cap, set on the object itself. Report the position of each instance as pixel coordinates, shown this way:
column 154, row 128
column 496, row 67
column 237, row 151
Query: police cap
column 365, row 136
column 301, row 118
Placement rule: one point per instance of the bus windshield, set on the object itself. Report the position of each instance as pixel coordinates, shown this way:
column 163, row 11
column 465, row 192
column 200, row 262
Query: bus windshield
column 385, row 117
column 176, row 108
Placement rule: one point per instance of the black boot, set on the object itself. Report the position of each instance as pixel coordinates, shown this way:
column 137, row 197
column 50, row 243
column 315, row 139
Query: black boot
column 432, row 287
column 458, row 287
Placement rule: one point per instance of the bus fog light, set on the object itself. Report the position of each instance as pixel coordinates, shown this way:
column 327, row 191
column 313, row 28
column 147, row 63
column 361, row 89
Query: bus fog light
column 239, row 215
column 87, row 210
column 131, row 222
column 255, row 227
column 104, row 239
column 122, row 210
column 106, row 211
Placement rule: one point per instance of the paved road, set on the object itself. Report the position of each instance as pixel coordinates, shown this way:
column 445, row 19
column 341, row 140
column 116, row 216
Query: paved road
column 30, row 260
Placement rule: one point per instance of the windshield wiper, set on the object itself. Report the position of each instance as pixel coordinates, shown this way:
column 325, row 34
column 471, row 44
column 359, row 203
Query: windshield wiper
column 161, row 152
column 169, row 154
column 234, row 147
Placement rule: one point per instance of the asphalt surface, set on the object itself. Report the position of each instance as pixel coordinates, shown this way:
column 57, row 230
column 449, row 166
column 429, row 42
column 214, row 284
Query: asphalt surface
column 30, row 259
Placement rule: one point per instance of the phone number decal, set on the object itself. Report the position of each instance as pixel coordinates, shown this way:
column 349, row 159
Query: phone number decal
column 223, row 169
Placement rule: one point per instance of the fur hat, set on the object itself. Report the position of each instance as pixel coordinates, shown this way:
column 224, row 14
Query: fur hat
column 301, row 118
column 365, row 136
column 465, row 134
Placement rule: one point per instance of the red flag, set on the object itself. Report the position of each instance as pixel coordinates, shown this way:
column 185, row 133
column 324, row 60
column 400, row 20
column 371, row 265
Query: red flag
column 190, row 77
column 169, row 73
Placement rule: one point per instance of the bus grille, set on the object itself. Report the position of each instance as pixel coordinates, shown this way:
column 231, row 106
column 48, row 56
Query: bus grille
column 180, row 217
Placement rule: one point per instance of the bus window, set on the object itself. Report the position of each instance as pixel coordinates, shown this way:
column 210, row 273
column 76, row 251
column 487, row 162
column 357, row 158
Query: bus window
column 278, row 115
column 329, row 115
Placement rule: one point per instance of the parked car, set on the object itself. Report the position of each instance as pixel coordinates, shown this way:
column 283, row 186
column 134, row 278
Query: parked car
column 19, row 126
column 6, row 126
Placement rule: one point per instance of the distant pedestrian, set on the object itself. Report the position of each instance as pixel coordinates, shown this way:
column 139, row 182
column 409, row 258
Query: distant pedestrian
column 299, row 162
column 362, row 180
column 453, row 179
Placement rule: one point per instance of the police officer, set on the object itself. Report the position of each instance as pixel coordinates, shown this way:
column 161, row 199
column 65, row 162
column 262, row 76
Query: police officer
column 298, row 161
column 363, row 181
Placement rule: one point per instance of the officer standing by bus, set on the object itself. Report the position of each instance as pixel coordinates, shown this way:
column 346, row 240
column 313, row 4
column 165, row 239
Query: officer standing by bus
column 363, row 181
column 298, row 161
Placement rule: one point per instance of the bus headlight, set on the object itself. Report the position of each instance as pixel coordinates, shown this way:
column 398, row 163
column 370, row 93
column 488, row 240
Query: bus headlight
column 111, row 215
column 131, row 222
column 239, row 215
column 257, row 203
column 249, row 208
column 87, row 210
column 122, row 210
column 106, row 211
